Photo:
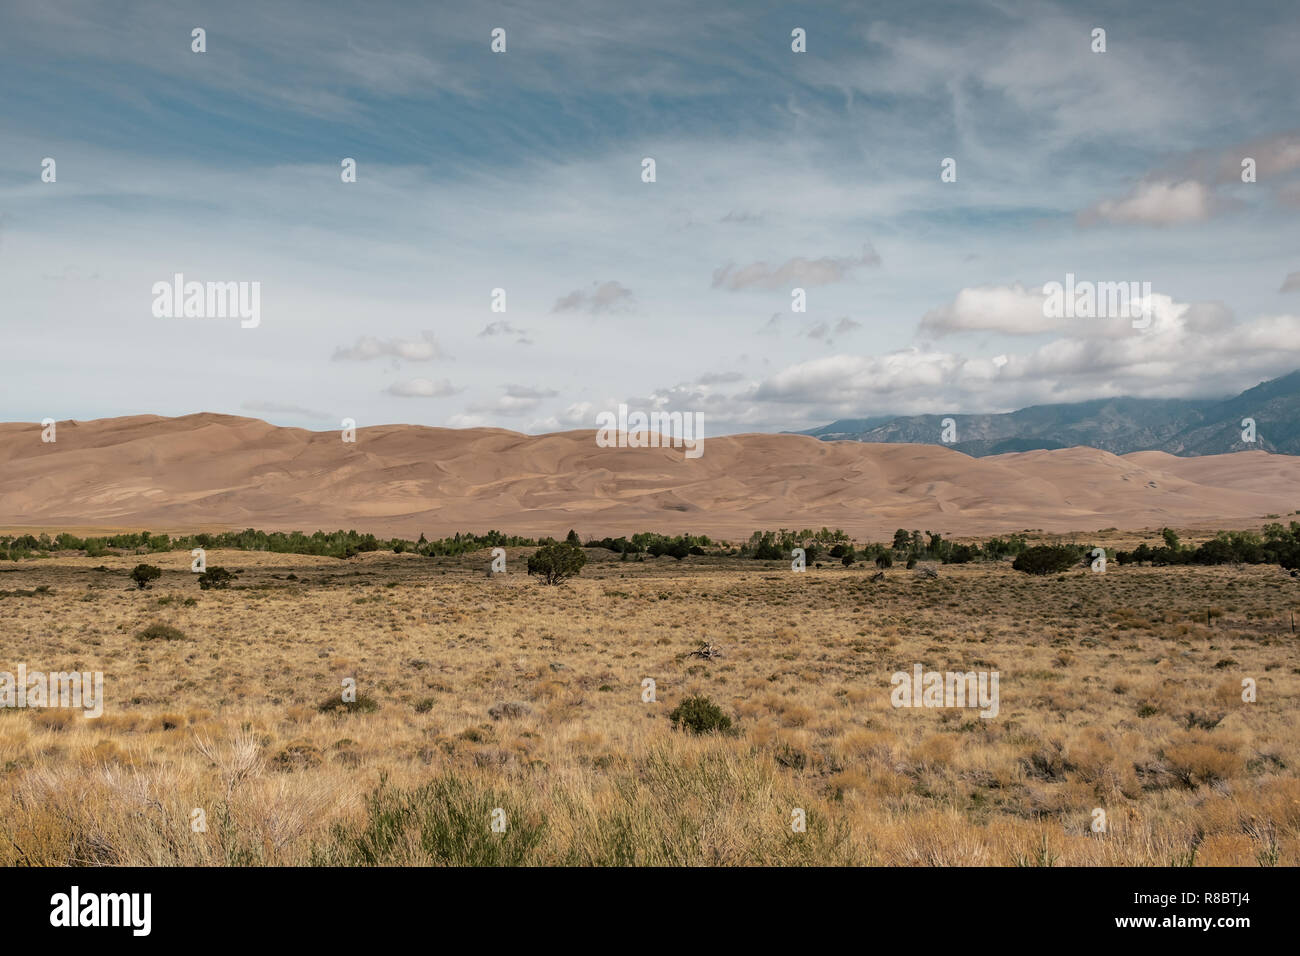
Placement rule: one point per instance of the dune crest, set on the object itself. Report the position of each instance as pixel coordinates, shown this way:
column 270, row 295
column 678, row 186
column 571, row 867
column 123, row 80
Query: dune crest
column 218, row 471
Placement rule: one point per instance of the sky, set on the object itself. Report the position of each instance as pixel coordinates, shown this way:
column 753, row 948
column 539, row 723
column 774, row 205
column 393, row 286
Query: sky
column 522, row 171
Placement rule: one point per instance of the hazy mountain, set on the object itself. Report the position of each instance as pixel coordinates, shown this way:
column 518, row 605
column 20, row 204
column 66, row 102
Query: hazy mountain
column 1184, row 427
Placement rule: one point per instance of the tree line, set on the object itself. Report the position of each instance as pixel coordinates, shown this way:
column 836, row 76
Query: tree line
column 1277, row 544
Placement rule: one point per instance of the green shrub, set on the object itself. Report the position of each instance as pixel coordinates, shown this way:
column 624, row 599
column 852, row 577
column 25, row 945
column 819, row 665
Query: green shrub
column 700, row 715
column 215, row 578
column 555, row 562
column 364, row 704
column 142, row 574
column 1045, row 559
column 158, row 631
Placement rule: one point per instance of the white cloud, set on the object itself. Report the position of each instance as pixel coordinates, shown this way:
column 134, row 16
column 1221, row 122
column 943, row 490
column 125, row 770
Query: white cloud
column 576, row 415
column 517, row 400
column 423, row 349
column 1155, row 203
column 1013, row 310
column 422, row 388
column 1086, row 363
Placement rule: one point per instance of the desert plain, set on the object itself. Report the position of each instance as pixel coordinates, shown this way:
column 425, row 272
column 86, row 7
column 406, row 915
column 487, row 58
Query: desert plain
column 499, row 700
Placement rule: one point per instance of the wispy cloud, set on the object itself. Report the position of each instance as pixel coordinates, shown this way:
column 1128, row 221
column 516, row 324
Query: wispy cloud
column 287, row 408
column 516, row 400
column 423, row 349
column 793, row 272
column 503, row 328
column 603, row 297
column 423, row 388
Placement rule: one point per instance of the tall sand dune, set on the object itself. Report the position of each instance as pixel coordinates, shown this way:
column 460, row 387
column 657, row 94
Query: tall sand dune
column 208, row 471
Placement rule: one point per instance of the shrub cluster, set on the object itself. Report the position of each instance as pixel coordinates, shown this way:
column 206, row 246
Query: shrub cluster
column 1279, row 545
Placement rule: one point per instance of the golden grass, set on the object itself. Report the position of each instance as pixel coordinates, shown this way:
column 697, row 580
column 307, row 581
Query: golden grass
column 1118, row 692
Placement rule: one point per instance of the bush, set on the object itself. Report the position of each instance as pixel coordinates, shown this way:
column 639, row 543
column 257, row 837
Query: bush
column 678, row 550
column 1045, row 559
column 215, row 578
column 700, row 715
column 883, row 560
column 364, row 704
column 157, row 631
column 960, row 554
column 557, row 561
column 142, row 574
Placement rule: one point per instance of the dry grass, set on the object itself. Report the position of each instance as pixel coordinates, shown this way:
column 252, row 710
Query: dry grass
column 1119, row 692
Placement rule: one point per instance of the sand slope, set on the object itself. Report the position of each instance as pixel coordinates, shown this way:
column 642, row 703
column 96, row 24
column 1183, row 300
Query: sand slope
column 217, row 471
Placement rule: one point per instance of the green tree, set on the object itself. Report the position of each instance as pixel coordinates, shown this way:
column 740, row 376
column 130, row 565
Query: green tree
column 142, row 574
column 557, row 561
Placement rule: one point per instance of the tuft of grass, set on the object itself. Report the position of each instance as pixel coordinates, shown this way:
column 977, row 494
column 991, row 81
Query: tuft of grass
column 447, row 821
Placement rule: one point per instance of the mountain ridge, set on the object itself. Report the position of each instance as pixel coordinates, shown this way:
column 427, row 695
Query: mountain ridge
column 1121, row 425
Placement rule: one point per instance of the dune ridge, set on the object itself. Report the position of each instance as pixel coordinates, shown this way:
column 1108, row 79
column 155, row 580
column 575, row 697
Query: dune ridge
column 222, row 471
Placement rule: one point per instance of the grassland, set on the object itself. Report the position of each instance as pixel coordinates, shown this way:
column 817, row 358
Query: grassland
column 1119, row 691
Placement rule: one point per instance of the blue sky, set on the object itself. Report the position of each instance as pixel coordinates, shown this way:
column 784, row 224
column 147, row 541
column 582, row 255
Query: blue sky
column 522, row 171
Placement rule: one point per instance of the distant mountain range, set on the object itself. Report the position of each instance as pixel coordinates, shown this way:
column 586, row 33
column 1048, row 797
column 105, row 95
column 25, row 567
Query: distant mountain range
column 1183, row 427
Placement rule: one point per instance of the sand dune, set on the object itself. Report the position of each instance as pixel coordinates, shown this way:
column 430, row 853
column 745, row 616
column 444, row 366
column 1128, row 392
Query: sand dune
column 209, row 471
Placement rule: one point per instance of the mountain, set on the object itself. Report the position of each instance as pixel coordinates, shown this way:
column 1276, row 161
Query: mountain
column 1183, row 427
column 211, row 472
